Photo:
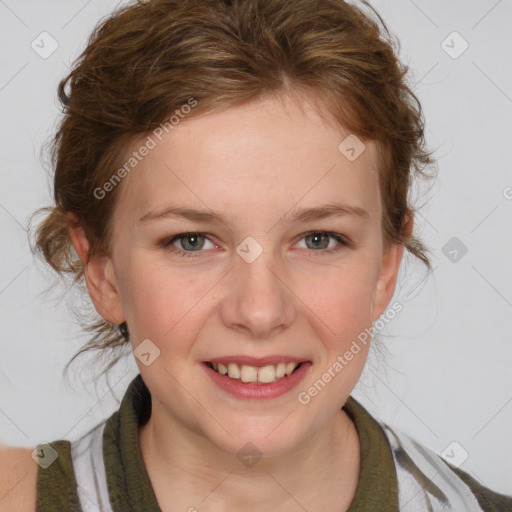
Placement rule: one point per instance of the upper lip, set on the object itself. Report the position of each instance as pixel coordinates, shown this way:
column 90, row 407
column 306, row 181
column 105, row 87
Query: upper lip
column 256, row 361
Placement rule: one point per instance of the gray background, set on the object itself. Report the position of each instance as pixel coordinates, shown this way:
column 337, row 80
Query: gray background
column 448, row 376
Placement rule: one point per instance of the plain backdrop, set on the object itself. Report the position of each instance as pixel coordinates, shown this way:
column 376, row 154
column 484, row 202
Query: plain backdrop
column 447, row 380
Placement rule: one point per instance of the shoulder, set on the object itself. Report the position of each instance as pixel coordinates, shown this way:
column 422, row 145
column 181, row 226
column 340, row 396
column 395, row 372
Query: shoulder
column 424, row 477
column 18, row 476
column 489, row 500
column 39, row 479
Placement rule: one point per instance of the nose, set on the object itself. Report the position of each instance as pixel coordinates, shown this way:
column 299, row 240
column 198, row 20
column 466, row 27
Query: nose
column 260, row 303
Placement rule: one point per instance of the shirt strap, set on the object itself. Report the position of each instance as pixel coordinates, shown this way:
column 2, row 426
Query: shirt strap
column 87, row 457
column 425, row 482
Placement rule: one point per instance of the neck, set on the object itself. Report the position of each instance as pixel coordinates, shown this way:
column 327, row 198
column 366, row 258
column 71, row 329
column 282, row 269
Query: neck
column 325, row 467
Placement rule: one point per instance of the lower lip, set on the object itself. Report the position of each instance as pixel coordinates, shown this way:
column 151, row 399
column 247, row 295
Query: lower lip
column 274, row 389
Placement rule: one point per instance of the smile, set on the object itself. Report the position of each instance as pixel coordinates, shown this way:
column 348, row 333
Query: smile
column 262, row 375
column 256, row 382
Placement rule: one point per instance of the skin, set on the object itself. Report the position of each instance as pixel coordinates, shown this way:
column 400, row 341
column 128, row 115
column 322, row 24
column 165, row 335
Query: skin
column 252, row 164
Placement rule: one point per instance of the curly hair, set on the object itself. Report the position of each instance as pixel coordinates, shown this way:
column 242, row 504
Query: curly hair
column 148, row 58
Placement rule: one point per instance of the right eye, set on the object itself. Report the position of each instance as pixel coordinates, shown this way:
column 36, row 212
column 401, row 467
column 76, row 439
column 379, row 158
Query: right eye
column 190, row 242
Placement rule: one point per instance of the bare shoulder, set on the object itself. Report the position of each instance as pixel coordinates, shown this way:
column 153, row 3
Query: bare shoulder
column 18, row 477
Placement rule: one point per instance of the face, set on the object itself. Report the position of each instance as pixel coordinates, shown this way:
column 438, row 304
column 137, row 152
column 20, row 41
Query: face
column 261, row 276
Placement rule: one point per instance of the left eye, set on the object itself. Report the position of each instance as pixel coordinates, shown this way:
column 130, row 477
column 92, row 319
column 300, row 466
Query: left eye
column 321, row 238
column 194, row 242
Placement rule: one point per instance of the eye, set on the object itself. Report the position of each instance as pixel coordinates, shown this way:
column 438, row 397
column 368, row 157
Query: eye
column 320, row 241
column 190, row 242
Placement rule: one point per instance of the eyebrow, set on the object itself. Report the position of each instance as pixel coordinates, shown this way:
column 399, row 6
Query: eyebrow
column 303, row 215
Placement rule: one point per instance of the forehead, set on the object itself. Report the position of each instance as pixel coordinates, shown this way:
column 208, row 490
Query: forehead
column 261, row 158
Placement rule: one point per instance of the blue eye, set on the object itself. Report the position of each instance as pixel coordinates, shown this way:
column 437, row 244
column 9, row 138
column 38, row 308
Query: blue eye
column 322, row 236
column 195, row 241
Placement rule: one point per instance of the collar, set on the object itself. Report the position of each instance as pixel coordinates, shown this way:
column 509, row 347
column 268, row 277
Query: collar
column 130, row 488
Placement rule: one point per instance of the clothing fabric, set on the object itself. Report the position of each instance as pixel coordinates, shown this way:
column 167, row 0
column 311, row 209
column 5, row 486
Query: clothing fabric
column 103, row 471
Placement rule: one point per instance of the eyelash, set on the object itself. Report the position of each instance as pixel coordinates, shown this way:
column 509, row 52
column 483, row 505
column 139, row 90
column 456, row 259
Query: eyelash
column 342, row 241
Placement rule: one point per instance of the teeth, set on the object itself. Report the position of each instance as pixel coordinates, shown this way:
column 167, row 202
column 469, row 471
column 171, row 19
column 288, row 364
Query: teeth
column 267, row 374
column 290, row 367
column 248, row 374
column 280, row 370
column 233, row 371
column 264, row 375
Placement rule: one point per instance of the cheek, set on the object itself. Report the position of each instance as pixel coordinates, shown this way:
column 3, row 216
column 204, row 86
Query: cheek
column 342, row 301
column 159, row 300
column 344, row 307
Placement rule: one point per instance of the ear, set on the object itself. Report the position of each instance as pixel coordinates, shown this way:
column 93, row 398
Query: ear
column 99, row 275
column 386, row 282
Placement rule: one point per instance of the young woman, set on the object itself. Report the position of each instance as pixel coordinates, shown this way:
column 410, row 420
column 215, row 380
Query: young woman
column 231, row 182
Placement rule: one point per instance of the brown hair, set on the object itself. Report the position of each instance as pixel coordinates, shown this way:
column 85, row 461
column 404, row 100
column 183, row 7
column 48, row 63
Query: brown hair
column 151, row 57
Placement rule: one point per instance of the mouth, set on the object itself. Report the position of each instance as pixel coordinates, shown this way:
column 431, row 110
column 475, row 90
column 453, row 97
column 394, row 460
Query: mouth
column 259, row 375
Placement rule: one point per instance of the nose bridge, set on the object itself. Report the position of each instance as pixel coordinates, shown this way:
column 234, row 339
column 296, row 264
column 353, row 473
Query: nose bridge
column 259, row 301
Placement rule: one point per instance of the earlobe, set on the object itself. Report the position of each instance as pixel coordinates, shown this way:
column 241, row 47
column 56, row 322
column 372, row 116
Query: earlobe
column 99, row 276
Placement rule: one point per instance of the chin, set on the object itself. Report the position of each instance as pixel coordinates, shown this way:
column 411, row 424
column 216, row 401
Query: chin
column 252, row 440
